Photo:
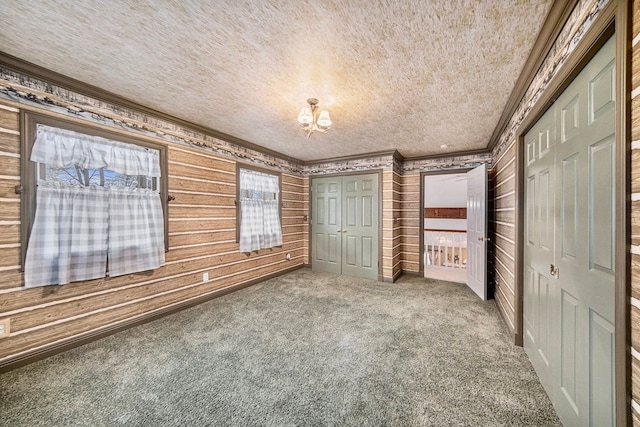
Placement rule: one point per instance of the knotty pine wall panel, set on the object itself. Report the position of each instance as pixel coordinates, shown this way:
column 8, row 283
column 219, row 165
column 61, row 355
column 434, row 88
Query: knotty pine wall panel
column 202, row 221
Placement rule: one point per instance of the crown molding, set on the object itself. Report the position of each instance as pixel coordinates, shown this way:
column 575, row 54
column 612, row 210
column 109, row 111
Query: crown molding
column 555, row 21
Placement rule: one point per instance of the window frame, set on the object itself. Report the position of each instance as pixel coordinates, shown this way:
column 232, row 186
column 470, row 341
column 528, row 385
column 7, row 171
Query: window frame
column 29, row 122
column 247, row 166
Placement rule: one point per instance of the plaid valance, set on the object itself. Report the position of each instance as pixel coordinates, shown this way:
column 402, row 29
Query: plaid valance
column 63, row 147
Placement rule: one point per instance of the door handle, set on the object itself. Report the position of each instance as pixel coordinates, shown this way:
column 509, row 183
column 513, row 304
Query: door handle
column 483, row 239
column 554, row 271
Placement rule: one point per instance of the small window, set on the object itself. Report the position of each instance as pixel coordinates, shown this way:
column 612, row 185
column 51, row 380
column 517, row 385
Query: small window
column 94, row 202
column 258, row 209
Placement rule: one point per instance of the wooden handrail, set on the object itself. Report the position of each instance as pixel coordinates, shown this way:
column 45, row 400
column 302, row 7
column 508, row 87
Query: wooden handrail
column 445, row 231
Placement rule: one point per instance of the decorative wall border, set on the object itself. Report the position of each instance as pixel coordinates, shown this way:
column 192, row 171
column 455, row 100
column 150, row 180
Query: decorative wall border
column 446, row 163
column 580, row 20
column 27, row 90
column 22, row 89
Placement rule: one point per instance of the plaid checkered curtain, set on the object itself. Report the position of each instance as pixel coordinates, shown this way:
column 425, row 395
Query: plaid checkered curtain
column 69, row 236
column 259, row 214
column 136, row 231
column 78, row 227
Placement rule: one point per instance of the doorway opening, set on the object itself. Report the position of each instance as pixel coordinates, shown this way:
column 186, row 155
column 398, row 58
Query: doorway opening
column 445, row 226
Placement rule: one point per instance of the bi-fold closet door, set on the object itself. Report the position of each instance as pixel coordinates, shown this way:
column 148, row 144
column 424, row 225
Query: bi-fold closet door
column 344, row 225
column 569, row 246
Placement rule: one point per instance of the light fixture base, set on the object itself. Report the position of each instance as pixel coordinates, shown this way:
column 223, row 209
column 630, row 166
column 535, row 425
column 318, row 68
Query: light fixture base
column 312, row 101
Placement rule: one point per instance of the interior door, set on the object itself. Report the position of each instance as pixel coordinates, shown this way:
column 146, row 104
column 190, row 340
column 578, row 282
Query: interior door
column 360, row 226
column 345, row 225
column 539, row 246
column 477, row 230
column 569, row 251
column 326, row 218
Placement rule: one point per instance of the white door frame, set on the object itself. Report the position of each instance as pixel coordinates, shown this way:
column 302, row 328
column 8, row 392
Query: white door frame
column 613, row 17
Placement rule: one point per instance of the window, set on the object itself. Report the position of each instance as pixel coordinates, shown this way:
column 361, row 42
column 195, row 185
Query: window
column 94, row 203
column 258, row 212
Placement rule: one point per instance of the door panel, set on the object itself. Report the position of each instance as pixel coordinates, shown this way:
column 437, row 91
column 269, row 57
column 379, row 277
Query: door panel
column 602, row 356
column 544, row 321
column 325, row 207
column 345, row 225
column 333, row 251
column 360, row 255
column 538, row 250
column 569, row 351
column 545, row 217
column 601, row 205
column 575, row 232
column 351, row 211
column 367, row 252
column 568, row 210
column 531, row 320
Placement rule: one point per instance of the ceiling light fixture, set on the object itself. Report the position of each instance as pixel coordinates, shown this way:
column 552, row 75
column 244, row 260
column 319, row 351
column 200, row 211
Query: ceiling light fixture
column 312, row 121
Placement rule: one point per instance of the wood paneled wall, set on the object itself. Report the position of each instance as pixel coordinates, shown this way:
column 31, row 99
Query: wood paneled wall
column 391, row 239
column 635, row 214
column 502, row 222
column 202, row 221
column 411, row 211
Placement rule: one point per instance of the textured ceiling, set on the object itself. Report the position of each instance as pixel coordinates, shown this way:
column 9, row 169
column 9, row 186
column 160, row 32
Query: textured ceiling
column 405, row 75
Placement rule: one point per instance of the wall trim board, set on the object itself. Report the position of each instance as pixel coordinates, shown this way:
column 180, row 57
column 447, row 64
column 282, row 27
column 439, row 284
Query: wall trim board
column 407, row 273
column 555, row 21
column 85, row 338
column 614, row 17
column 21, row 66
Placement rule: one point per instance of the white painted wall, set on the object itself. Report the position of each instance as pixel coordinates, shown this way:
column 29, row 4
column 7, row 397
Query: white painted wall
column 445, row 191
